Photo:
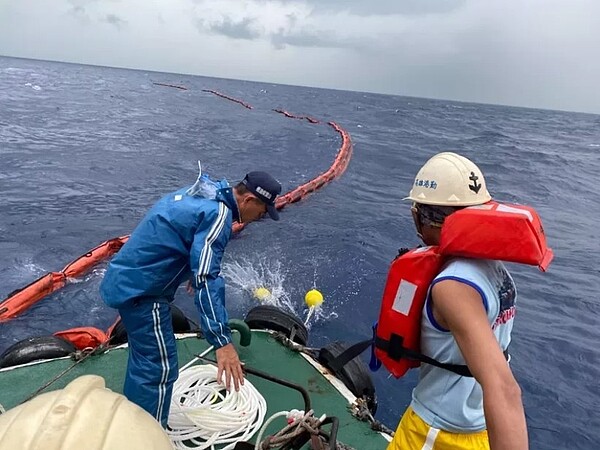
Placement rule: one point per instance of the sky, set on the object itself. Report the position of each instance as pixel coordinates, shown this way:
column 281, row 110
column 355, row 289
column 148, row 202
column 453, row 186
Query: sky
column 533, row 53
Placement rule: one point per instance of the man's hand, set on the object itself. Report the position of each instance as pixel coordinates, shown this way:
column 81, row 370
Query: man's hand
column 229, row 362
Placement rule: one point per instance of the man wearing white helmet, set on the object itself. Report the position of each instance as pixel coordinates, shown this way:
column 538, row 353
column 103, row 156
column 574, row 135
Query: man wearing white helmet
column 467, row 319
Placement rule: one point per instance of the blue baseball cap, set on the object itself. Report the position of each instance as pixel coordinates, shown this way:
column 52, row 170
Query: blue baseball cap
column 265, row 188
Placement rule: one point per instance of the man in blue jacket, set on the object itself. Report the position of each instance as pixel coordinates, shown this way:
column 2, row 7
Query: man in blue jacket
column 182, row 237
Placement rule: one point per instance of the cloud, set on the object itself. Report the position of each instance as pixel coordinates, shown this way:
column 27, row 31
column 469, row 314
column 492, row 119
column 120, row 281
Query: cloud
column 79, row 13
column 115, row 20
column 387, row 7
column 78, row 7
column 283, row 24
column 306, row 37
column 87, row 11
column 235, row 29
column 301, row 39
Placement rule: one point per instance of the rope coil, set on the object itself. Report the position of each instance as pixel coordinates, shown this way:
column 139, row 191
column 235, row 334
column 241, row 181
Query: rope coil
column 203, row 414
column 298, row 423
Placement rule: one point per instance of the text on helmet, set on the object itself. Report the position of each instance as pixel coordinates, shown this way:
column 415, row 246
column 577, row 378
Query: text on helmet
column 431, row 184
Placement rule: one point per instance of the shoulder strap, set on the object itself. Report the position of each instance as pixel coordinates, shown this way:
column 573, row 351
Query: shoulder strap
column 396, row 350
column 348, row 355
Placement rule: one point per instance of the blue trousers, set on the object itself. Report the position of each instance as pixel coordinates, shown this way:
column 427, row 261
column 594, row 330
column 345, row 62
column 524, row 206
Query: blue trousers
column 152, row 366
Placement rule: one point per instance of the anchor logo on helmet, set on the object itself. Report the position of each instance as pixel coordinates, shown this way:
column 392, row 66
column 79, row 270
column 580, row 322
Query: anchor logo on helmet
column 475, row 186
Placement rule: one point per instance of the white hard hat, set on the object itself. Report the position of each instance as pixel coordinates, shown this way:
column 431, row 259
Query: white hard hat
column 83, row 415
column 449, row 179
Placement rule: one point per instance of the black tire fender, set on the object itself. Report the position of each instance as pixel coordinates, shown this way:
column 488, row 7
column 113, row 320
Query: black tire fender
column 355, row 374
column 268, row 317
column 34, row 349
column 181, row 324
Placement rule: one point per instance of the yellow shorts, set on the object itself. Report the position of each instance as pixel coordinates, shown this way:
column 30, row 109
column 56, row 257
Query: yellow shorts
column 414, row 434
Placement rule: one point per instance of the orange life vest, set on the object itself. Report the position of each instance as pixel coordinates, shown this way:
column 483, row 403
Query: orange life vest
column 491, row 231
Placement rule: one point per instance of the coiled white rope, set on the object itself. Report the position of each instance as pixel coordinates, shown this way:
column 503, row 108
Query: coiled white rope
column 203, row 414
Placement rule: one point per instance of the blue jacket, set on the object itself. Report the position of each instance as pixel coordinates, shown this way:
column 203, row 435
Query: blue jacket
column 184, row 235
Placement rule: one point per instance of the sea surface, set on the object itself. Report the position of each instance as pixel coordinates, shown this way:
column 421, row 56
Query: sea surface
column 85, row 151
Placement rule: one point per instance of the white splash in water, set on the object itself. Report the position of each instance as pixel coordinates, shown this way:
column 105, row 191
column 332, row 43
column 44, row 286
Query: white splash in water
column 318, row 314
column 97, row 272
column 35, row 87
column 333, row 298
column 247, row 276
column 324, row 312
column 34, row 268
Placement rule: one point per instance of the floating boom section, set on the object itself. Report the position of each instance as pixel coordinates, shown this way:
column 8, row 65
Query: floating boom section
column 176, row 86
column 227, row 97
column 21, row 299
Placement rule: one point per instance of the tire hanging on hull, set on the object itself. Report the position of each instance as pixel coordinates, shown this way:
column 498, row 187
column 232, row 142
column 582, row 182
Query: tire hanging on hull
column 355, row 375
column 267, row 317
column 34, row 349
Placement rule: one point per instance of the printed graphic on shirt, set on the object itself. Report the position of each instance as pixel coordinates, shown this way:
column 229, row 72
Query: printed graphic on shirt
column 507, row 295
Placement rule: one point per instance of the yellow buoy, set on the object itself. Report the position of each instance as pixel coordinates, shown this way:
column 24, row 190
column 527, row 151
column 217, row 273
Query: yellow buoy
column 313, row 298
column 261, row 294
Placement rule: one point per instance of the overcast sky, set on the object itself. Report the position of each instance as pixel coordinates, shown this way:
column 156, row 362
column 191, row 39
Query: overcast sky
column 538, row 53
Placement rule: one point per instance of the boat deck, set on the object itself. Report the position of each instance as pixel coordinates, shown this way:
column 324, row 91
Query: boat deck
column 264, row 353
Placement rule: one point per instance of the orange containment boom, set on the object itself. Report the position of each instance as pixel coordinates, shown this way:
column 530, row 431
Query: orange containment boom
column 21, row 299
column 293, row 116
column 227, row 97
column 176, row 86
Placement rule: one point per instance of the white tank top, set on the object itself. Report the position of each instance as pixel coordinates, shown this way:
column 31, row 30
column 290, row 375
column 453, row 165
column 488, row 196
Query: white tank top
column 442, row 398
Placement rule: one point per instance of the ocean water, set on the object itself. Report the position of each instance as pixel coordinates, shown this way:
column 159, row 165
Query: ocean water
column 85, row 151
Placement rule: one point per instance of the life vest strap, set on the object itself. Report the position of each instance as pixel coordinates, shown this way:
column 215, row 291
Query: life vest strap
column 348, row 355
column 396, row 350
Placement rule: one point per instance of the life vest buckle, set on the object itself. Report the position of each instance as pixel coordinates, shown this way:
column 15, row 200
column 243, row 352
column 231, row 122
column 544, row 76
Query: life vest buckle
column 395, row 346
